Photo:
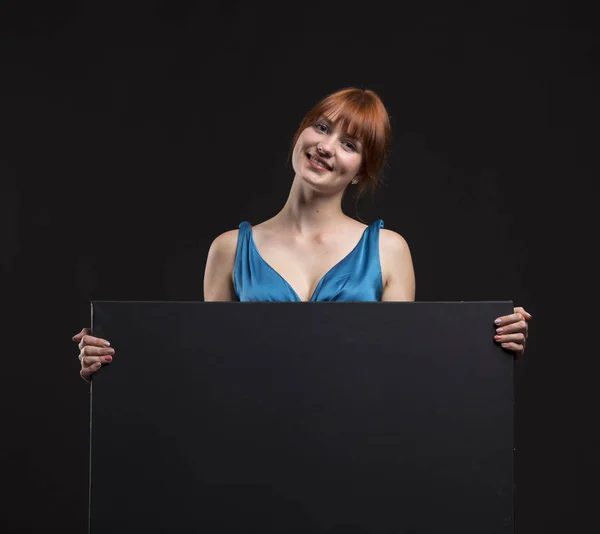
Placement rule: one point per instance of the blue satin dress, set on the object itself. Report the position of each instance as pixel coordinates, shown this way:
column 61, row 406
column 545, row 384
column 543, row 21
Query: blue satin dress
column 356, row 278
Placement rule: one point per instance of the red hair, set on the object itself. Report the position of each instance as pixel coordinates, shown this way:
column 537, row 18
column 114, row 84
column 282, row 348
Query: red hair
column 361, row 113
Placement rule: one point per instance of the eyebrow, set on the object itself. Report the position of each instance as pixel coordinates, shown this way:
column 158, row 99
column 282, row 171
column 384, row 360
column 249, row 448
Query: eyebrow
column 331, row 123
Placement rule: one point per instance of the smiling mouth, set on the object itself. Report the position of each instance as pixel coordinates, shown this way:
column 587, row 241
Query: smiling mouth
column 318, row 162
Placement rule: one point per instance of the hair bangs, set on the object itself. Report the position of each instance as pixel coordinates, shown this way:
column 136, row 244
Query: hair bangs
column 355, row 117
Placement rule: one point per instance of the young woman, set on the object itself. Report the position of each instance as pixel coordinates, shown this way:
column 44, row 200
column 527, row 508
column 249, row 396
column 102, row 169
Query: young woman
column 311, row 250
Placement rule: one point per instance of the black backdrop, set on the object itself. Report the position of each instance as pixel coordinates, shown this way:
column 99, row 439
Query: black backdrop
column 135, row 132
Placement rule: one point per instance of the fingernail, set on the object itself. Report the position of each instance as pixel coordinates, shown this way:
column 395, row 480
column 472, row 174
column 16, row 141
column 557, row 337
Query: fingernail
column 97, row 365
column 108, row 358
column 497, row 338
column 504, row 345
column 106, row 344
column 497, row 321
column 499, row 330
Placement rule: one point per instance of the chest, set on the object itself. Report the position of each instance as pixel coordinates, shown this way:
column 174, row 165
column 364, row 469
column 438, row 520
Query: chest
column 304, row 263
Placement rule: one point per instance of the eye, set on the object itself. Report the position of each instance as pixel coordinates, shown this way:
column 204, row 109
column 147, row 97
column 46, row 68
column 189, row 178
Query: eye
column 321, row 127
column 350, row 145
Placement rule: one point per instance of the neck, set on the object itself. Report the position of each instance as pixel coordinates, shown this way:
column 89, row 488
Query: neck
column 307, row 211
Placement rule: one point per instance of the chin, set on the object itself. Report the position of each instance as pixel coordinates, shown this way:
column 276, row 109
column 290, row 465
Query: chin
column 318, row 183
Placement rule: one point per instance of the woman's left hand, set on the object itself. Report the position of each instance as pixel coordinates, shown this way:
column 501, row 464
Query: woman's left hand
column 512, row 330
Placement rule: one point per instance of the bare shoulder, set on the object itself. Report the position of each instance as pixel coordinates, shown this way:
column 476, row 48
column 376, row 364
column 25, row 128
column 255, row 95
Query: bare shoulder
column 396, row 267
column 392, row 243
column 218, row 275
column 225, row 243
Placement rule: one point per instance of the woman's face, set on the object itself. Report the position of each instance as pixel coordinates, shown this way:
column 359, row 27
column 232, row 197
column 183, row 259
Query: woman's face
column 326, row 156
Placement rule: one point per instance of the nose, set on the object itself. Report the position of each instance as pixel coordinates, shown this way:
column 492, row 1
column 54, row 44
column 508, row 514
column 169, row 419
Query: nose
column 324, row 149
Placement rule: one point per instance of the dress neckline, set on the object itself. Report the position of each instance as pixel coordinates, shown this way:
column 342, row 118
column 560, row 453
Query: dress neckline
column 321, row 280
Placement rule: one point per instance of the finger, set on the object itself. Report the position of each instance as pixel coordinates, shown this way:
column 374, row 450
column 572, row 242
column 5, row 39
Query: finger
column 520, row 326
column 89, row 371
column 89, row 350
column 523, row 312
column 77, row 337
column 89, row 361
column 95, row 341
column 514, row 338
column 508, row 319
column 92, row 368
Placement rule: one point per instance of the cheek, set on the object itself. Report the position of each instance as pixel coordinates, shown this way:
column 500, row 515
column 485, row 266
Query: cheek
column 352, row 163
column 300, row 144
column 297, row 155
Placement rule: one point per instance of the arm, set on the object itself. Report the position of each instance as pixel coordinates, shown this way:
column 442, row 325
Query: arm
column 397, row 267
column 218, row 274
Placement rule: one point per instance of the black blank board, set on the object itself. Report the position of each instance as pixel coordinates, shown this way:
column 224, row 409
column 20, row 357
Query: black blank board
column 302, row 418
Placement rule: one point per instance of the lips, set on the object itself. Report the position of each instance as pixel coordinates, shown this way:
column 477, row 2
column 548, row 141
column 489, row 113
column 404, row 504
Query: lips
column 319, row 161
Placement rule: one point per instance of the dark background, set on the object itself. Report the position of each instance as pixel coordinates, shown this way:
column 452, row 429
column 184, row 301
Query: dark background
column 133, row 133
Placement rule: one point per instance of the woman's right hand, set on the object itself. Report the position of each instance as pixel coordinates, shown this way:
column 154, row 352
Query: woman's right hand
column 93, row 352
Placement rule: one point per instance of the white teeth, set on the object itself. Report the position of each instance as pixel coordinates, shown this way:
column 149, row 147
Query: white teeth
column 319, row 163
